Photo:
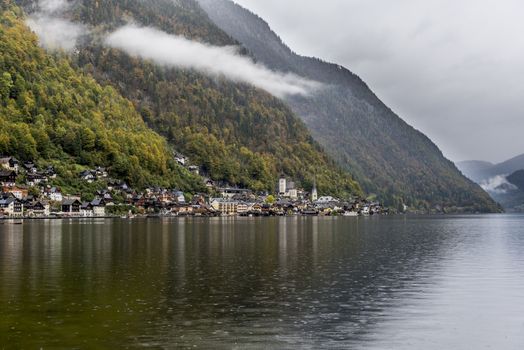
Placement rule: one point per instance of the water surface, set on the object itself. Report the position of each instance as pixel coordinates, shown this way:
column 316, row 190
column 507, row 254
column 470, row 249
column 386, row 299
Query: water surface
column 267, row 283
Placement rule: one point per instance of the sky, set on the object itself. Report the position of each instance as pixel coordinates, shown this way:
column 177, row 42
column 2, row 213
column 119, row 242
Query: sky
column 452, row 69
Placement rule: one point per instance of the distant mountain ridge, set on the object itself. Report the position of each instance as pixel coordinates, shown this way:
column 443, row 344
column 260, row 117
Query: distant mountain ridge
column 503, row 181
column 480, row 171
column 387, row 156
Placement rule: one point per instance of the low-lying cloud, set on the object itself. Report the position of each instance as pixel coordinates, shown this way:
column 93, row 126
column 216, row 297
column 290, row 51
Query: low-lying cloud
column 498, row 185
column 56, row 32
column 53, row 31
column 177, row 51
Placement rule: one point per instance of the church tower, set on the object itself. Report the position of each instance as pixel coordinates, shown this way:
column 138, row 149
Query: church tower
column 314, row 192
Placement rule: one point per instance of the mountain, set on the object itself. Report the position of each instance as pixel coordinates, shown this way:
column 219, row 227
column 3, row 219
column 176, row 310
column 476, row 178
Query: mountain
column 387, row 156
column 476, row 170
column 236, row 133
column 55, row 115
column 503, row 181
column 480, row 171
column 510, row 193
column 509, row 166
column 517, row 179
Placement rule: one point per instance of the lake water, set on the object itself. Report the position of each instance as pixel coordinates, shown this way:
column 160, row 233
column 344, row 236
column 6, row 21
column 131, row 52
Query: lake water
column 270, row 283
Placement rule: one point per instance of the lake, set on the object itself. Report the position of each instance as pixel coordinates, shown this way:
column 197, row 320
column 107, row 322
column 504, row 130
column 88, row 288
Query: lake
column 429, row 282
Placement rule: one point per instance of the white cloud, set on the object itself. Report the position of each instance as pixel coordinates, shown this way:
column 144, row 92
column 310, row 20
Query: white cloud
column 498, row 185
column 176, row 51
column 55, row 32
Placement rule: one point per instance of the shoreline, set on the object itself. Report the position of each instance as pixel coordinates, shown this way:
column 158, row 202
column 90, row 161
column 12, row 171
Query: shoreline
column 16, row 220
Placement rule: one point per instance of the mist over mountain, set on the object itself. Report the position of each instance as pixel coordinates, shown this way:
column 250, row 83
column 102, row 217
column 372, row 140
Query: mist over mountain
column 388, row 157
column 480, row 171
column 503, row 181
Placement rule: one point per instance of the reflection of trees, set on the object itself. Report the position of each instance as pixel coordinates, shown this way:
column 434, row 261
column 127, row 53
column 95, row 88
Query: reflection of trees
column 187, row 281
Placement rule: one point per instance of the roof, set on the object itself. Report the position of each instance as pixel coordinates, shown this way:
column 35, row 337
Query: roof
column 98, row 202
column 70, row 202
column 4, row 160
column 5, row 172
column 8, row 201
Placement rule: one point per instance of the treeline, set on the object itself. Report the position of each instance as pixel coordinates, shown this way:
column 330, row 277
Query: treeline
column 50, row 113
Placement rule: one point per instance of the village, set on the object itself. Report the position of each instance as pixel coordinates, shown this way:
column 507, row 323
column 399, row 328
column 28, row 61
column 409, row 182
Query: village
column 27, row 192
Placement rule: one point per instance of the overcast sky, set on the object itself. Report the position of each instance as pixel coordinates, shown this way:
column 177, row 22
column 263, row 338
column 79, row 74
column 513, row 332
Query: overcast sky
column 453, row 69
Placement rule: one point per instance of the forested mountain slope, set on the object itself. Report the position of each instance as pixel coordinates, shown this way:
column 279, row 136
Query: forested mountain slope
column 50, row 113
column 387, row 156
column 237, row 133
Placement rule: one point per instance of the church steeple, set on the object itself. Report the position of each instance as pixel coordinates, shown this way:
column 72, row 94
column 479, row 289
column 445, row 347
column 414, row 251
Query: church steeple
column 314, row 192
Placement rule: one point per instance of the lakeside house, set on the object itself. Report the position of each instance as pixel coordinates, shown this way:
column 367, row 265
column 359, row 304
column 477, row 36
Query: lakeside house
column 11, row 206
column 54, row 194
column 38, row 209
column 225, row 206
column 71, row 207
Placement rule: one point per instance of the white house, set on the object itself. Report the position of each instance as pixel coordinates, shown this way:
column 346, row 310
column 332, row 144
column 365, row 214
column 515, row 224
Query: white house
column 99, row 207
column 12, row 207
column 55, row 195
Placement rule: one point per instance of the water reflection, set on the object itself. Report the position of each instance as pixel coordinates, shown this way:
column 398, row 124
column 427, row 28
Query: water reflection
column 255, row 282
